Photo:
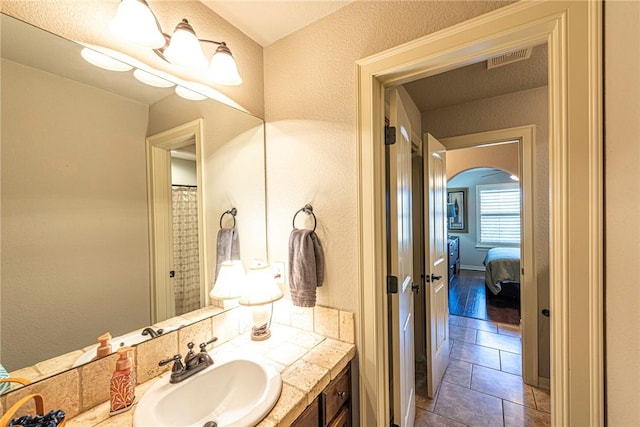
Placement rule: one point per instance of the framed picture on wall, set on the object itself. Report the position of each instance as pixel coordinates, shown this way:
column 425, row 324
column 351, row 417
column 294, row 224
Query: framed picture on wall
column 457, row 210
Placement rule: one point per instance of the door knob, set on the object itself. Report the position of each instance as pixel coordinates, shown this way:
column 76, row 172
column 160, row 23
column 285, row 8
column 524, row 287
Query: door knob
column 415, row 287
column 435, row 277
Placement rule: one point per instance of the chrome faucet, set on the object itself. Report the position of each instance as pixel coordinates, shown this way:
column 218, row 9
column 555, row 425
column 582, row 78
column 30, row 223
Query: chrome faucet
column 193, row 362
column 152, row 332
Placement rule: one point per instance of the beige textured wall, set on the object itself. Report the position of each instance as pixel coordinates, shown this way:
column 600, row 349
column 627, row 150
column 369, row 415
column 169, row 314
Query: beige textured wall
column 58, row 230
column 87, row 21
column 310, row 94
column 622, row 211
column 517, row 109
column 503, row 156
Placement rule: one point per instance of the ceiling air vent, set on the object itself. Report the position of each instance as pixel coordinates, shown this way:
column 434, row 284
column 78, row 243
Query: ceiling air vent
column 509, row 58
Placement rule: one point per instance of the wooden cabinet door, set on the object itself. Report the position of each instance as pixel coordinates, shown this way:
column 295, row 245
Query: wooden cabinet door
column 343, row 419
column 310, row 417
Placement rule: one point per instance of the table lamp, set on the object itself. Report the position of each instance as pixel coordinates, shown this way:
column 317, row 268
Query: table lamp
column 259, row 293
column 230, row 281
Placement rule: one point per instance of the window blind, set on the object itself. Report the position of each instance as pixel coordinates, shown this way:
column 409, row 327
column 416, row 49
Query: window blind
column 498, row 207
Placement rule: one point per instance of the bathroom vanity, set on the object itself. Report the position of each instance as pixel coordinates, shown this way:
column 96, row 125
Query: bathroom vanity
column 332, row 408
column 314, row 361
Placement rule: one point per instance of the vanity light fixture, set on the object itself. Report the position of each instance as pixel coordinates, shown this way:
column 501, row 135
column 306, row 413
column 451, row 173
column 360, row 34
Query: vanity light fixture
column 189, row 94
column 103, row 61
column 151, row 79
column 184, row 48
column 134, row 21
column 260, row 292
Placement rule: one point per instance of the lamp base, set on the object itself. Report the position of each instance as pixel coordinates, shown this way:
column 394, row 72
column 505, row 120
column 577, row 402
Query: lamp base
column 260, row 333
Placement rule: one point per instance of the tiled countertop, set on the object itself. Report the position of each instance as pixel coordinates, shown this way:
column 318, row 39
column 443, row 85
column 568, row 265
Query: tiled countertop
column 307, row 362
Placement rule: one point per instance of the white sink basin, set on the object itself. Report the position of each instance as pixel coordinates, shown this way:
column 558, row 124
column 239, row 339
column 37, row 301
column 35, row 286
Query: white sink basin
column 126, row 340
column 239, row 392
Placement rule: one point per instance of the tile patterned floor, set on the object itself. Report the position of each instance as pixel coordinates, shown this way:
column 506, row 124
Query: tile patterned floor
column 482, row 385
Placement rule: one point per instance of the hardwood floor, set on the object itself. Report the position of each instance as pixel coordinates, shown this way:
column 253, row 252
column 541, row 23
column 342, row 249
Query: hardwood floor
column 468, row 298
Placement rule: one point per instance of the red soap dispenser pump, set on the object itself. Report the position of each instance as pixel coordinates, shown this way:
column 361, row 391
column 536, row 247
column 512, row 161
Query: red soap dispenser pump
column 123, row 382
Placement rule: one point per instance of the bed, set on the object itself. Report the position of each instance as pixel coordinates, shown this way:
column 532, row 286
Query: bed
column 502, row 271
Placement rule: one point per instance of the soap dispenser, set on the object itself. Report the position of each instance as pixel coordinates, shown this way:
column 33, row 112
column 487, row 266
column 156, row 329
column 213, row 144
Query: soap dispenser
column 123, row 382
column 104, row 346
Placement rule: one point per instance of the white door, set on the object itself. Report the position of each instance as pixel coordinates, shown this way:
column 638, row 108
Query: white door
column 401, row 265
column 436, row 257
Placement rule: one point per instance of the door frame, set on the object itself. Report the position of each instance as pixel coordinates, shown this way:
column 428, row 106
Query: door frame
column 573, row 32
column 159, row 148
column 529, row 287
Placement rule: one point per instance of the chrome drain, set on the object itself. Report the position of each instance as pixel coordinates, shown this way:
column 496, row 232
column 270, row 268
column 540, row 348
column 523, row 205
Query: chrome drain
column 210, row 424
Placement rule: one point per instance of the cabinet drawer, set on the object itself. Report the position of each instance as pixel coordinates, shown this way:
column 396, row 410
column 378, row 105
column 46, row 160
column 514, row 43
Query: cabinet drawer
column 343, row 419
column 336, row 395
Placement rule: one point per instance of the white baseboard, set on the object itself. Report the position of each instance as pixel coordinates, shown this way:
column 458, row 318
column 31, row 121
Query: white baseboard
column 471, row 267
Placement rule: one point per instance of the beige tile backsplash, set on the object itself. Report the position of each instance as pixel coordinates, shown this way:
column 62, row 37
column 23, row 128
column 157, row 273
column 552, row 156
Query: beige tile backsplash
column 59, row 391
column 347, row 325
column 78, row 390
column 302, row 317
column 150, row 352
column 326, row 321
column 95, row 381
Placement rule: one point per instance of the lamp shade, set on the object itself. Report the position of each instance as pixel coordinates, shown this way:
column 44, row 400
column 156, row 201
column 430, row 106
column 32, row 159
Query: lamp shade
column 260, row 287
column 230, row 281
column 134, row 21
column 223, row 68
column 184, row 48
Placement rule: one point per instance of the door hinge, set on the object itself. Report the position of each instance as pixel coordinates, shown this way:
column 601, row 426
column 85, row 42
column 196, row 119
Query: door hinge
column 389, row 135
column 172, row 273
column 392, row 285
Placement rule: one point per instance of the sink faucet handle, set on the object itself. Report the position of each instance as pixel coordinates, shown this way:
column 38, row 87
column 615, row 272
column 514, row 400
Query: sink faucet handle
column 177, row 363
column 175, row 358
column 203, row 346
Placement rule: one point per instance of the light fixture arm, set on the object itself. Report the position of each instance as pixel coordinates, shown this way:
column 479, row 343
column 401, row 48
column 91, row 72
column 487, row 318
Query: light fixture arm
column 213, row 41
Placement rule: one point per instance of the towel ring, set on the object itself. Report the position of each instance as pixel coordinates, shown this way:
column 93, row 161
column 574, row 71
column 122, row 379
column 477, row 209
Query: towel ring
column 233, row 212
column 308, row 209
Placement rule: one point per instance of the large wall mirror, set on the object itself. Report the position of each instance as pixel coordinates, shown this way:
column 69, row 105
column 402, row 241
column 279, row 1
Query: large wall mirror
column 75, row 231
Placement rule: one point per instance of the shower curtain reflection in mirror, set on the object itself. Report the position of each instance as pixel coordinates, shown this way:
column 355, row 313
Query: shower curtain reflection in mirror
column 185, row 248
